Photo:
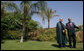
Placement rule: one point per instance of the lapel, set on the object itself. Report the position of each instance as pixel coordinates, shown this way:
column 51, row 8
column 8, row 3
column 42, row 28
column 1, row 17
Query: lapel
column 59, row 24
column 70, row 25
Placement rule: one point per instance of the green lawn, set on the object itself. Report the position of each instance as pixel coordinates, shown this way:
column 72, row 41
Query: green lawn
column 35, row 45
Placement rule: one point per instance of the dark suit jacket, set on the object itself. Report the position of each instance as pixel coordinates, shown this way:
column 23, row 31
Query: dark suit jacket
column 70, row 29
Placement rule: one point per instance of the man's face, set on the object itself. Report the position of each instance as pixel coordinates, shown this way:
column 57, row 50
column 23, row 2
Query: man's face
column 70, row 19
column 61, row 20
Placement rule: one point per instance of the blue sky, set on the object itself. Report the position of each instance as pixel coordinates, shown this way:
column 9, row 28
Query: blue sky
column 65, row 9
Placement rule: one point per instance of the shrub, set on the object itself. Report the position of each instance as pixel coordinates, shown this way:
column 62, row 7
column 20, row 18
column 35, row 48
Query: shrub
column 10, row 34
column 4, row 34
column 14, row 34
column 48, row 35
column 79, row 36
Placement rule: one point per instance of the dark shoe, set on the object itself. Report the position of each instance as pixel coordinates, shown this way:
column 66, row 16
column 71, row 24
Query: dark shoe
column 60, row 46
column 63, row 45
column 74, row 47
column 70, row 46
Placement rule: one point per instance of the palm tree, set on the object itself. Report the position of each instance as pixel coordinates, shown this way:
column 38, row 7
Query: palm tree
column 28, row 9
column 8, row 5
column 48, row 13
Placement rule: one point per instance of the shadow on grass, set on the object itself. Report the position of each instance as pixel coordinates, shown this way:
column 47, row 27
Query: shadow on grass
column 67, row 45
column 56, row 45
column 2, row 41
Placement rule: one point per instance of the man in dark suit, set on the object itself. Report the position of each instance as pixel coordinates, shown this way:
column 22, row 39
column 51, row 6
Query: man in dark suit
column 71, row 32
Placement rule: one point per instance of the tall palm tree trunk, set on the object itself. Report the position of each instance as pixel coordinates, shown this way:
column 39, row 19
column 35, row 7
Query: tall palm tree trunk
column 48, row 23
column 23, row 30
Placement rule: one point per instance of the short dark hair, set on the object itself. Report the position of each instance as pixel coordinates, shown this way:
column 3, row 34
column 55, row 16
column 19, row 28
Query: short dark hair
column 69, row 18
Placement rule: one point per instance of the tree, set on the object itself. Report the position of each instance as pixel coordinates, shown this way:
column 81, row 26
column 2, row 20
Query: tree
column 28, row 9
column 8, row 5
column 48, row 13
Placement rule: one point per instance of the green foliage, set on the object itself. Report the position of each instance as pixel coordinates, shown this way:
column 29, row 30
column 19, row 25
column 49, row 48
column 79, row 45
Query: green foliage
column 79, row 36
column 14, row 34
column 17, row 19
column 31, row 25
column 4, row 34
column 14, row 22
column 10, row 34
column 11, row 22
column 48, row 35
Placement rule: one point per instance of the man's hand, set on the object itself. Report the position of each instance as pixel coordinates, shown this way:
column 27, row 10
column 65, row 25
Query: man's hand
column 63, row 31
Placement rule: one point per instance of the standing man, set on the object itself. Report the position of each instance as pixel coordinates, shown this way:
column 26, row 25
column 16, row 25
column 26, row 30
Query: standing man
column 61, row 36
column 71, row 32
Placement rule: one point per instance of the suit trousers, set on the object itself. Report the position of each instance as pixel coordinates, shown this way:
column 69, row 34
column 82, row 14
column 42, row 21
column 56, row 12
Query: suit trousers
column 73, row 36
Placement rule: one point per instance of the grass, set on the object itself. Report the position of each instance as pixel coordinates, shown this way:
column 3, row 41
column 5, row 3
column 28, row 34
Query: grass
column 35, row 45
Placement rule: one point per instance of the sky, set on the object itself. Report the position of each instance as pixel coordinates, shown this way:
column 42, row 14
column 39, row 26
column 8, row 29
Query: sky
column 64, row 9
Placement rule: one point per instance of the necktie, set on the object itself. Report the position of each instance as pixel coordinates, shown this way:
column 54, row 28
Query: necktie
column 71, row 24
